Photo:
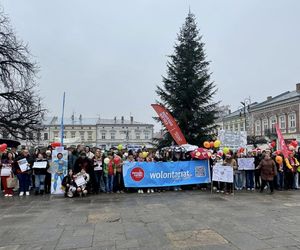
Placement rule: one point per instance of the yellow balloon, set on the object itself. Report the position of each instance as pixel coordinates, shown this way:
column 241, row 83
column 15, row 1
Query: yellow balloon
column 144, row 154
column 120, row 147
column 217, row 144
column 226, row 150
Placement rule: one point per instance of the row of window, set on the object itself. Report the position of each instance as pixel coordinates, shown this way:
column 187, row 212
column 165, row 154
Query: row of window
column 235, row 127
column 265, row 124
column 103, row 135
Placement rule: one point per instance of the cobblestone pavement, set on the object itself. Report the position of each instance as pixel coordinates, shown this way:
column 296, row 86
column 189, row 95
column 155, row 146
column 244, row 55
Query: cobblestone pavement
column 170, row 220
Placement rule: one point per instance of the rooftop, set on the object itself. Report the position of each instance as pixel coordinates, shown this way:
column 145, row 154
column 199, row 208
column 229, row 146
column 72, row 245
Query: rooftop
column 282, row 97
column 89, row 121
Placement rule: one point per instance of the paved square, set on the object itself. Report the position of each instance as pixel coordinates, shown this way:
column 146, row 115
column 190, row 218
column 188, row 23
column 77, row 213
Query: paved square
column 170, row 220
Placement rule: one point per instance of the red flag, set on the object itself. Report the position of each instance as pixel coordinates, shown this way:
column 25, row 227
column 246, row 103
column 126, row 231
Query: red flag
column 282, row 145
column 170, row 124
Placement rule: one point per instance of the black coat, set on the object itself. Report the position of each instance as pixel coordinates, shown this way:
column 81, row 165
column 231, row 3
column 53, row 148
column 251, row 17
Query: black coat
column 41, row 171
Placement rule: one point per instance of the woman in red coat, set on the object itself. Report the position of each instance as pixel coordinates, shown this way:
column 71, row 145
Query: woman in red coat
column 268, row 171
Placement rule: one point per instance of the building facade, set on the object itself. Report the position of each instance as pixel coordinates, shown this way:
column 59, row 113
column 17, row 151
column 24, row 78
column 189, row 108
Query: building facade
column 282, row 109
column 104, row 133
column 259, row 119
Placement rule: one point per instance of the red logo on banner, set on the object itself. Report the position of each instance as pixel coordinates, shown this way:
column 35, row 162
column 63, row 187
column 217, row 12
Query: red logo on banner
column 170, row 124
column 137, row 174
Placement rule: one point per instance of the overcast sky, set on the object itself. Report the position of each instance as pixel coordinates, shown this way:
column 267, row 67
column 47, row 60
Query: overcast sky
column 109, row 55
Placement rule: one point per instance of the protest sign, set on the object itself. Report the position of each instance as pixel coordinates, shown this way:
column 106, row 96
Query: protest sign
column 23, row 164
column 233, row 139
column 40, row 164
column 222, row 173
column 246, row 163
column 80, row 180
column 161, row 174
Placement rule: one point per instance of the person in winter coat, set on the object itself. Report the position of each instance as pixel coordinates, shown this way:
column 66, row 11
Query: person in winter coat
column 40, row 175
column 69, row 184
column 24, row 176
column 109, row 171
column 292, row 165
column 268, row 170
column 7, row 163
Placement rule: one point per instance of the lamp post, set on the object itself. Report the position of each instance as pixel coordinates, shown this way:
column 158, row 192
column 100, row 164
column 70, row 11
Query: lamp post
column 245, row 110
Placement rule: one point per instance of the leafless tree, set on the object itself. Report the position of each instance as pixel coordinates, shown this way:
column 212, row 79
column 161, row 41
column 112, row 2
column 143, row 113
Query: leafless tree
column 21, row 111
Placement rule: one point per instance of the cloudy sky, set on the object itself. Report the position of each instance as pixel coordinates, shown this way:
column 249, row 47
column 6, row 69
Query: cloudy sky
column 109, row 55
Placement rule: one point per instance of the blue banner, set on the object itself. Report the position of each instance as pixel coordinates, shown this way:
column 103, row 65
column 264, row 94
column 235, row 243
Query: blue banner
column 165, row 174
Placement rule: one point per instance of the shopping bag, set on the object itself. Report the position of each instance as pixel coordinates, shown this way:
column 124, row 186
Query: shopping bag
column 11, row 181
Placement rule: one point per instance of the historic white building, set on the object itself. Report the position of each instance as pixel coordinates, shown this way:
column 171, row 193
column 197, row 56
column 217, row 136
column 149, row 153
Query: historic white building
column 103, row 133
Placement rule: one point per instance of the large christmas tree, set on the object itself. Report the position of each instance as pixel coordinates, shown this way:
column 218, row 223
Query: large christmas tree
column 187, row 90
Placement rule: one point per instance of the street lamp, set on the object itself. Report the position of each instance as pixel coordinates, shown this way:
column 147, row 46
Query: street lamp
column 245, row 110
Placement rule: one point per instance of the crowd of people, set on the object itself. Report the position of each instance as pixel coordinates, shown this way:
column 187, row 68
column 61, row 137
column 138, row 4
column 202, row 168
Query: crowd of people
column 94, row 171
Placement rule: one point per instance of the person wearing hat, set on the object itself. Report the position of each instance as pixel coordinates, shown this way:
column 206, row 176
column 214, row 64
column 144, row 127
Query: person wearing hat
column 229, row 161
column 291, row 174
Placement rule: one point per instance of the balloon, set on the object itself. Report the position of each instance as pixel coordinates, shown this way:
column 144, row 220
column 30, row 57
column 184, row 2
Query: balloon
column 241, row 150
column 55, row 144
column 206, row 144
column 106, row 161
column 226, row 150
column 3, row 147
column 117, row 160
column 144, row 154
column 278, row 159
column 294, row 143
column 217, row 144
column 211, row 144
column 120, row 147
column 273, row 144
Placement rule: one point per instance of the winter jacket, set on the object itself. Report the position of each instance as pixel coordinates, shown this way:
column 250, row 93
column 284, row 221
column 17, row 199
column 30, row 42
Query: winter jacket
column 268, row 169
column 41, row 171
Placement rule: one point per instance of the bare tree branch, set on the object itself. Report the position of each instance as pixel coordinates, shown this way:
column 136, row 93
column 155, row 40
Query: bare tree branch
column 21, row 112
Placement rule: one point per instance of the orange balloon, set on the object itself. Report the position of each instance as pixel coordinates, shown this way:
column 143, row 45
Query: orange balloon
column 278, row 159
column 206, row 144
column 211, row 144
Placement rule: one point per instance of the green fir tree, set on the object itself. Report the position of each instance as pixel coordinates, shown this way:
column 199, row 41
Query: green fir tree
column 187, row 90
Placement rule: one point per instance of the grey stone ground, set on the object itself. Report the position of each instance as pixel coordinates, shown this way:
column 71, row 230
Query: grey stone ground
column 171, row 220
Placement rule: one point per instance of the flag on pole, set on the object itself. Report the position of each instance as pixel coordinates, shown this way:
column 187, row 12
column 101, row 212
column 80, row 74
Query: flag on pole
column 170, row 124
column 62, row 122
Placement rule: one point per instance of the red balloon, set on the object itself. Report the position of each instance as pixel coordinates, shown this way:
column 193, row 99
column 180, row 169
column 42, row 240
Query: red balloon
column 2, row 147
column 55, row 144
column 117, row 160
column 273, row 144
column 211, row 144
column 294, row 143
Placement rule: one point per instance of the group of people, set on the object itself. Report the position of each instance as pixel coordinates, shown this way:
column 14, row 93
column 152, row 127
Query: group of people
column 94, row 171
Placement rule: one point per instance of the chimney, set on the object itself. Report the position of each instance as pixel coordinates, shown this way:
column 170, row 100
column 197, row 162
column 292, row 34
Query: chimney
column 122, row 119
column 115, row 119
column 298, row 87
column 131, row 119
column 80, row 118
column 269, row 98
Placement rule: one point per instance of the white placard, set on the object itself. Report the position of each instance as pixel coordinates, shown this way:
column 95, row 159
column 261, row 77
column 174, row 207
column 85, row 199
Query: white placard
column 222, row 173
column 233, row 139
column 246, row 163
column 80, row 181
column 5, row 171
column 23, row 164
column 40, row 164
